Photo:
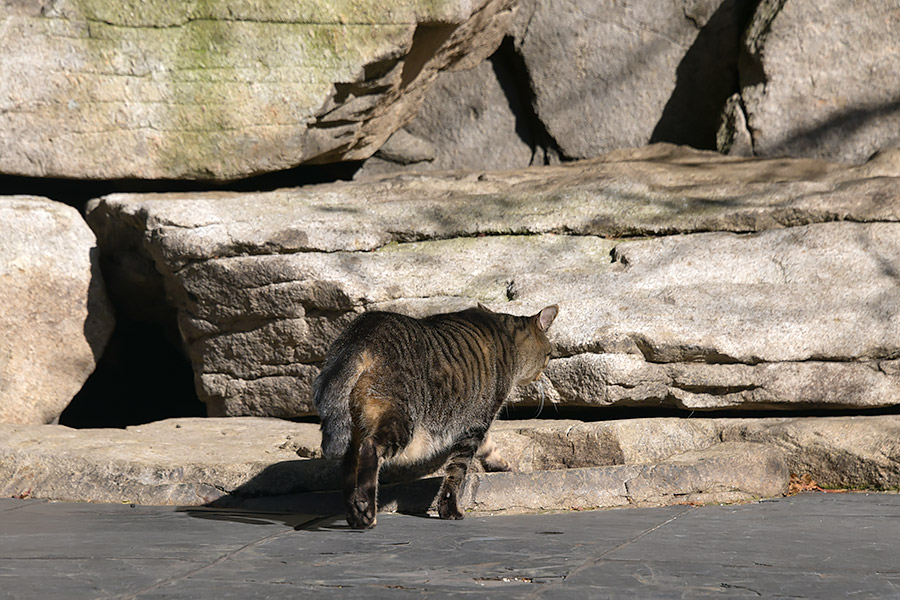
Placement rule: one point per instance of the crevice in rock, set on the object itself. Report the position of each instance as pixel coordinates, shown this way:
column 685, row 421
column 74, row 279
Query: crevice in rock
column 227, row 326
column 756, row 31
column 140, row 378
column 276, row 372
column 77, row 193
column 230, row 18
column 695, row 354
column 334, row 124
column 706, row 77
column 398, row 238
column 512, row 75
column 717, row 390
column 427, row 39
column 518, row 412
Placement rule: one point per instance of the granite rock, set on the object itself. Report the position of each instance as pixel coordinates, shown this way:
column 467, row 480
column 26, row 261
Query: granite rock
column 609, row 75
column 836, row 452
column 232, row 461
column 478, row 120
column 251, row 461
column 56, row 318
column 758, row 284
column 93, row 89
column 820, row 79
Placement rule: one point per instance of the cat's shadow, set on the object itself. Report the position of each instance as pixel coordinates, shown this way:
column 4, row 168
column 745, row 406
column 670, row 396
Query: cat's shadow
column 302, row 494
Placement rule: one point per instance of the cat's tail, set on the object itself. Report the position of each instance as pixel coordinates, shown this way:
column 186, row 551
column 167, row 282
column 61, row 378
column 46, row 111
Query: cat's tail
column 331, row 396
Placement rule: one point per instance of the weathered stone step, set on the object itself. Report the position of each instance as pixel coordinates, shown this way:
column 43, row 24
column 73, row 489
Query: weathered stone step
column 230, row 461
column 729, row 472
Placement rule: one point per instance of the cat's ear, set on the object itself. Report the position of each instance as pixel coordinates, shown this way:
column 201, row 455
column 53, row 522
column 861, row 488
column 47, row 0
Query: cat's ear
column 546, row 316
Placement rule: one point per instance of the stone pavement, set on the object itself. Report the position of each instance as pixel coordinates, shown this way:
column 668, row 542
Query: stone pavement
column 807, row 546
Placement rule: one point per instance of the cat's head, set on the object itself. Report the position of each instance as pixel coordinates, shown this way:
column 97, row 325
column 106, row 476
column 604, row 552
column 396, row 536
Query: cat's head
column 533, row 346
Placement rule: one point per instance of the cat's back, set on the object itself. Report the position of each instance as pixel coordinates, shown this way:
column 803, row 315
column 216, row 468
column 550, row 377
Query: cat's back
column 380, row 332
column 444, row 354
column 382, row 328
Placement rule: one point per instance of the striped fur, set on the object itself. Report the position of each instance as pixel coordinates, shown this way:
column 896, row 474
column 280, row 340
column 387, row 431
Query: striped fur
column 404, row 390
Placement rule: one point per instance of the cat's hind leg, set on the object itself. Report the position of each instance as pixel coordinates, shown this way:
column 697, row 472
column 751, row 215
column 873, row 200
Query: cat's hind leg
column 460, row 458
column 360, row 493
column 381, row 428
column 349, row 468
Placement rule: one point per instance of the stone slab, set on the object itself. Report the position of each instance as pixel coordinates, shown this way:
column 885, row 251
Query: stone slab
column 838, row 452
column 177, row 461
column 724, row 473
column 728, row 472
column 684, row 278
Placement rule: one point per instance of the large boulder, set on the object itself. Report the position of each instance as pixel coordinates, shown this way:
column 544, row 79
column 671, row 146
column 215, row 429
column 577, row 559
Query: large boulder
column 821, row 79
column 220, row 90
column 577, row 79
column 757, row 284
column 608, row 75
column 55, row 319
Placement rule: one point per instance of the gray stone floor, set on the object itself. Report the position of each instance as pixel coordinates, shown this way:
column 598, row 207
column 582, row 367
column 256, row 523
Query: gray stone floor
column 808, row 546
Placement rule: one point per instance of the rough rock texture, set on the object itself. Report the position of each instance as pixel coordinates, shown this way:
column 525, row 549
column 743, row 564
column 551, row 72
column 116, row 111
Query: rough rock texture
column 55, row 318
column 479, row 119
column 608, row 75
column 759, row 284
column 838, row 452
column 736, row 472
column 177, row 461
column 579, row 78
column 725, row 473
column 556, row 464
column 821, row 79
column 733, row 138
column 465, row 122
column 538, row 445
column 216, row 90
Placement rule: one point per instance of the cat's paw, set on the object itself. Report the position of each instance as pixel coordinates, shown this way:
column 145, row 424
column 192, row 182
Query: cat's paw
column 361, row 521
column 447, row 509
column 360, row 514
column 358, row 520
column 490, row 457
column 453, row 515
column 494, row 463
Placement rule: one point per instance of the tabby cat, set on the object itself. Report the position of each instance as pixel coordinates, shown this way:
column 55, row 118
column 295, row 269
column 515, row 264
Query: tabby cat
column 395, row 389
